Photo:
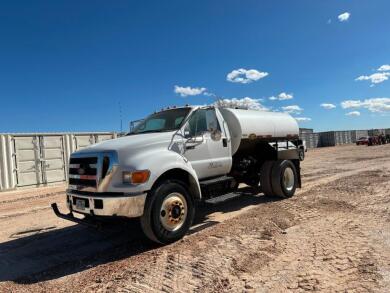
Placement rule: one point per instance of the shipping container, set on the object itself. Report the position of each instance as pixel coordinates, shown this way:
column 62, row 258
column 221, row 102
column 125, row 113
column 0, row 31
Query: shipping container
column 373, row 132
column 333, row 138
column 38, row 159
column 311, row 139
column 356, row 134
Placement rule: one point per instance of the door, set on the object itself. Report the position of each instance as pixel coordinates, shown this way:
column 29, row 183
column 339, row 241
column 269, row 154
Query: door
column 82, row 141
column 39, row 160
column 205, row 147
column 195, row 146
column 219, row 144
column 103, row 137
column 52, row 159
column 28, row 167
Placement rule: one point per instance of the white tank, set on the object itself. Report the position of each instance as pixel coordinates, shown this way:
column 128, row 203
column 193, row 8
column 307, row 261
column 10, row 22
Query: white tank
column 253, row 124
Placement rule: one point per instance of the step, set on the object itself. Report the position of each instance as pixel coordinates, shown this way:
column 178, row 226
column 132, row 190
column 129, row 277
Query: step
column 222, row 198
column 215, row 180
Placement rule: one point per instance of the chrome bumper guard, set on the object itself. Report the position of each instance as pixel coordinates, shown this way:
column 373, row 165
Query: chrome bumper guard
column 72, row 218
column 123, row 205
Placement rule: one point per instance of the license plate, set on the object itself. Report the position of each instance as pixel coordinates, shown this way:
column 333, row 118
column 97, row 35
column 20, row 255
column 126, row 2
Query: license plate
column 80, row 204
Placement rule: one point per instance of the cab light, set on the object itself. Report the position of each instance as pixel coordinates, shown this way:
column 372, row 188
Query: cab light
column 136, row 177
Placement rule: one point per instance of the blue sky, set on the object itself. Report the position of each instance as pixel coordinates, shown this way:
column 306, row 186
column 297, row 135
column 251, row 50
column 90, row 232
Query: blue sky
column 68, row 65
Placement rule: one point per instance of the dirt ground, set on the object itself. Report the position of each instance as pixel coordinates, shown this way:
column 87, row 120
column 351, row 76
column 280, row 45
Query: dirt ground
column 333, row 236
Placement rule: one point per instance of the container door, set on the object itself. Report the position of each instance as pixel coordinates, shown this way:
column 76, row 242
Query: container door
column 103, row 137
column 52, row 159
column 28, row 167
column 82, row 141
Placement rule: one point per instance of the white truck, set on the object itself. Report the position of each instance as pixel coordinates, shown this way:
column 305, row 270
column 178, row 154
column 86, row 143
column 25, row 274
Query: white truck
column 179, row 157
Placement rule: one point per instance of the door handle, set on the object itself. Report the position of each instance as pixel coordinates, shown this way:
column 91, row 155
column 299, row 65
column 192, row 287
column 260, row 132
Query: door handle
column 190, row 147
column 224, row 142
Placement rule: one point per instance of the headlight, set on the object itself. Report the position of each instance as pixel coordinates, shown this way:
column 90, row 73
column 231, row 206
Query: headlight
column 136, row 177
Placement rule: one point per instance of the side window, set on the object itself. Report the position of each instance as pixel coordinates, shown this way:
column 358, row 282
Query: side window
column 212, row 121
column 203, row 120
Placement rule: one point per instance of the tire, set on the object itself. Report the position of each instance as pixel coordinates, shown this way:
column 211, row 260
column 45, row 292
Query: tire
column 284, row 178
column 301, row 154
column 265, row 178
column 168, row 213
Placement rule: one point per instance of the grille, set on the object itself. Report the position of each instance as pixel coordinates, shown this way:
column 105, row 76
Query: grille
column 83, row 171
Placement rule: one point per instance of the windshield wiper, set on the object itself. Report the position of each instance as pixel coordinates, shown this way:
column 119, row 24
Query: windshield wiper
column 151, row 131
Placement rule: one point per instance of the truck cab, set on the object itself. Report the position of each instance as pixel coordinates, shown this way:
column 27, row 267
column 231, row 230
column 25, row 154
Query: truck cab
column 178, row 157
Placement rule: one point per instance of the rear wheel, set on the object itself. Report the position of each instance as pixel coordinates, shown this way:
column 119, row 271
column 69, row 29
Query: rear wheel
column 265, row 178
column 284, row 178
column 169, row 212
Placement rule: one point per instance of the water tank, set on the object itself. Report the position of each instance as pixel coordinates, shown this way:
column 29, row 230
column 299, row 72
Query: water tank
column 253, row 124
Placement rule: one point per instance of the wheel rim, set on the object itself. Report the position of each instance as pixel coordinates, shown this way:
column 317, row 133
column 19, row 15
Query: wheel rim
column 173, row 212
column 288, row 179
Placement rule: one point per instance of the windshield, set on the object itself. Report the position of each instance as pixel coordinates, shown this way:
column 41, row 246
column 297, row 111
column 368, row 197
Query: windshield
column 168, row 120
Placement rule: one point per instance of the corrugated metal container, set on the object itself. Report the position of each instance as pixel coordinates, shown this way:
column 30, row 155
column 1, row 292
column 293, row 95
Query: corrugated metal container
column 7, row 164
column 306, row 130
column 327, row 138
column 347, row 137
column 356, row 134
column 36, row 159
column 311, row 139
column 333, row 138
column 373, row 132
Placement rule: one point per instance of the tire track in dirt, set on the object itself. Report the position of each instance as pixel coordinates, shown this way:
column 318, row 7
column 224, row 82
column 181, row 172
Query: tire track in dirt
column 332, row 236
column 329, row 253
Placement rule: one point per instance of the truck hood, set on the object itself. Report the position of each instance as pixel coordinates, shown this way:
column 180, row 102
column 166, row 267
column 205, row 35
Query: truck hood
column 131, row 143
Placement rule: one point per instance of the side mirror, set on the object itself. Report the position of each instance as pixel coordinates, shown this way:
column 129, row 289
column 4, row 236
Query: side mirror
column 216, row 135
column 187, row 134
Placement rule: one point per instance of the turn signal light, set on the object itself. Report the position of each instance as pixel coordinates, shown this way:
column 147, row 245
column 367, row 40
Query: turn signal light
column 136, row 177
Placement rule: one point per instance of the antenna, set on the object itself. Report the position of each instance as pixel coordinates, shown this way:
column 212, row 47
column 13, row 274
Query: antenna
column 218, row 101
column 120, row 115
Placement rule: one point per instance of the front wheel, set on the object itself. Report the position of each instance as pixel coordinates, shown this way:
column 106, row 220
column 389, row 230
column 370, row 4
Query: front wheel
column 168, row 213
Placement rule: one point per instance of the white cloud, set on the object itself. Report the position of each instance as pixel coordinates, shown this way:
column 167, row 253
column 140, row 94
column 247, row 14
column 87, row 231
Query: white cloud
column 353, row 113
column 282, row 96
column 293, row 109
column 245, row 76
column 328, row 106
column 247, row 102
column 373, row 105
column 189, row 91
column 375, row 78
column 302, row 119
column 344, row 16
column 209, row 94
column 385, row 67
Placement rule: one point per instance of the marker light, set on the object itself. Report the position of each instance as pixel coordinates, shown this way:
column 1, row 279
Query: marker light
column 136, row 177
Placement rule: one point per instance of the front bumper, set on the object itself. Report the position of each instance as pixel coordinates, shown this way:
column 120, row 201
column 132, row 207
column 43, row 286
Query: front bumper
column 107, row 204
